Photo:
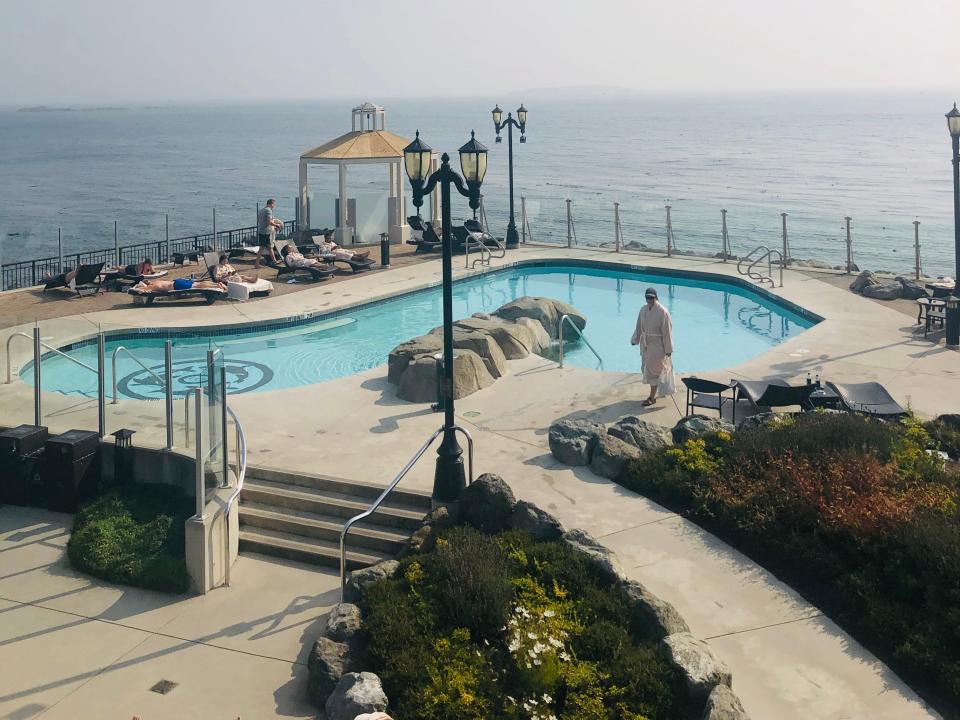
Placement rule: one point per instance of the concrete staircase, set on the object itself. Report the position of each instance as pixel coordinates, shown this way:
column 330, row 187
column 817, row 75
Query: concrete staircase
column 298, row 516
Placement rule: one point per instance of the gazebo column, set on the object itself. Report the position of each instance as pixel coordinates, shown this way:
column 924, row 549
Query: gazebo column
column 303, row 195
column 399, row 230
column 344, row 234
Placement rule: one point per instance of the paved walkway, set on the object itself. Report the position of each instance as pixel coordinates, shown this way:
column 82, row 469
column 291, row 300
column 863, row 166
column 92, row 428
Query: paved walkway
column 788, row 661
column 76, row 648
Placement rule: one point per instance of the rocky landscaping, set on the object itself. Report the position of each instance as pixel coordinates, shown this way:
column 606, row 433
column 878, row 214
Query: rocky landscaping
column 483, row 343
column 496, row 611
column 871, row 285
column 859, row 515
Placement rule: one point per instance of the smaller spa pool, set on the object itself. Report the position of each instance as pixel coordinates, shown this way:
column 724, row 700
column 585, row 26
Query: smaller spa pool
column 717, row 324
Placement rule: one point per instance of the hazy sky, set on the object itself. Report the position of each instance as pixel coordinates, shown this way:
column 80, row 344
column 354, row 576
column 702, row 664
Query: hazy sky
column 118, row 51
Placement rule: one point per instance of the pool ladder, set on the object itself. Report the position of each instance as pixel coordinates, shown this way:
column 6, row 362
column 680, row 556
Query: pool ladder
column 567, row 319
column 755, row 260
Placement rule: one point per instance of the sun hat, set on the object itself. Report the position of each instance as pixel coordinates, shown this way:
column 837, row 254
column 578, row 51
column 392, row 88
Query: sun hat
column 650, row 292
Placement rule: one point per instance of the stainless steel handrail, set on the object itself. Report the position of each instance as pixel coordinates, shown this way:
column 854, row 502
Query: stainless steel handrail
column 481, row 248
column 768, row 256
column 574, row 326
column 390, row 488
column 48, row 347
column 113, row 363
column 241, row 474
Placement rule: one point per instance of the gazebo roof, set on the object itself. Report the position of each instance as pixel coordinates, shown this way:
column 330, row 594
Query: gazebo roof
column 360, row 145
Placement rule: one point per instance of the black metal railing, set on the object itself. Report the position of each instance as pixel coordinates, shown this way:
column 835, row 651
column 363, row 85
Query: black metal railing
column 26, row 273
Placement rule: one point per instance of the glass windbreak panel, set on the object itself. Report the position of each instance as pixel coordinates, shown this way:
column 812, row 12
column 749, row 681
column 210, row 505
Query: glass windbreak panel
column 323, row 210
column 371, row 216
column 215, row 428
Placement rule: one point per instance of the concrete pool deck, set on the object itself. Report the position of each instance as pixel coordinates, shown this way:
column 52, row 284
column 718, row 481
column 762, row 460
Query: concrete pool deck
column 788, row 661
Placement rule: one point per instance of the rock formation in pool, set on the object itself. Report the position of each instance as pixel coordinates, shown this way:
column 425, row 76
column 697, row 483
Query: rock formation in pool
column 483, row 343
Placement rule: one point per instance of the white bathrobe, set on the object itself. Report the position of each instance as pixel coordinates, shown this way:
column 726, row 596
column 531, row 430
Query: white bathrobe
column 654, row 335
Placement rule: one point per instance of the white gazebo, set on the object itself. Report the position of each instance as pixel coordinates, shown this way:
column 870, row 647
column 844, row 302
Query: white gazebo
column 367, row 142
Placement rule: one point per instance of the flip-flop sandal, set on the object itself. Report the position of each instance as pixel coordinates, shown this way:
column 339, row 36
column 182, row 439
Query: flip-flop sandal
column 648, row 402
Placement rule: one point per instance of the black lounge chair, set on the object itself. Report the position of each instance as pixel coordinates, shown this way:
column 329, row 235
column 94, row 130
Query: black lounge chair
column 773, row 393
column 870, row 398
column 425, row 237
column 709, row 395
column 316, row 272
column 489, row 240
column 86, row 281
column 209, row 295
column 355, row 265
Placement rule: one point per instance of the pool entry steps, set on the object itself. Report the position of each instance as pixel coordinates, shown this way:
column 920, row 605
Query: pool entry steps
column 299, row 516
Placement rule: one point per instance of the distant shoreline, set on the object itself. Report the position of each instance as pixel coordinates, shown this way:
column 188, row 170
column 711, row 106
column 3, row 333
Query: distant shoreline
column 49, row 109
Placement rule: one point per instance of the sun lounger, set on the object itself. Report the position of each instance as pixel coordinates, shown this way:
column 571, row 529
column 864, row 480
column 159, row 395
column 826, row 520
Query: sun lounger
column 356, row 265
column 870, row 398
column 709, row 395
column 209, row 295
column 773, row 393
column 428, row 238
column 86, row 281
column 475, row 227
column 119, row 279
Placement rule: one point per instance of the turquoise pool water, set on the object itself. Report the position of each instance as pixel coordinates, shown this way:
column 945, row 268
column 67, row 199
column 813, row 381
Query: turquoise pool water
column 716, row 324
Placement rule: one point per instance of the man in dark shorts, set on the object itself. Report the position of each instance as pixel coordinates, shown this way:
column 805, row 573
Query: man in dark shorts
column 266, row 224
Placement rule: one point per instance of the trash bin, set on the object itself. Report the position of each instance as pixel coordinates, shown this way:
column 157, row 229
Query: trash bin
column 20, row 449
column 71, row 469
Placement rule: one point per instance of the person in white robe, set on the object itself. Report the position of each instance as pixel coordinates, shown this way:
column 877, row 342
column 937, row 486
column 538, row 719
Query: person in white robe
column 654, row 335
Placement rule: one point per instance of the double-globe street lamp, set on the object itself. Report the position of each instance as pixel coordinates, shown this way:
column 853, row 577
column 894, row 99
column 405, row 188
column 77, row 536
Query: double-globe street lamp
column 953, row 304
column 513, row 239
column 449, row 478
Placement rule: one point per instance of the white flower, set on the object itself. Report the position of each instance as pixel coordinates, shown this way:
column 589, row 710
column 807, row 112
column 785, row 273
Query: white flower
column 549, row 613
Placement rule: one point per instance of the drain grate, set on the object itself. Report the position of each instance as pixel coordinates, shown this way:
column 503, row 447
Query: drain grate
column 163, row 687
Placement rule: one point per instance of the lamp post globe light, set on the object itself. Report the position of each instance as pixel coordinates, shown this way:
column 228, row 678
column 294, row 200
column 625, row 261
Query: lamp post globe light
column 513, row 239
column 449, row 478
column 953, row 305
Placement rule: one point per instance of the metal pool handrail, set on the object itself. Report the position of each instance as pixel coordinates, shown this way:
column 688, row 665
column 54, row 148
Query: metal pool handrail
column 241, row 474
column 574, row 326
column 138, row 362
column 390, row 488
column 48, row 347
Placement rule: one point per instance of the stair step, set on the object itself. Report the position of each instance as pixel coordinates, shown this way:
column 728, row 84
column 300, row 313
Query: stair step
column 343, row 486
column 321, row 527
column 323, row 502
column 302, row 549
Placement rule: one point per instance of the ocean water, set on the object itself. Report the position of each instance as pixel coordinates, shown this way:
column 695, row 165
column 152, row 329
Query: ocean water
column 884, row 160
column 716, row 325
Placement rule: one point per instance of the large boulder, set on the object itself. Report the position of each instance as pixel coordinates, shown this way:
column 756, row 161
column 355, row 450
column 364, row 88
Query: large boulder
column 355, row 694
column 546, row 311
column 343, row 622
column 419, row 382
column 693, row 426
column 572, row 441
column 583, row 542
column 723, row 704
column 359, row 579
column 643, row 435
column 884, row 291
column 609, row 455
column 911, row 289
column 863, row 280
column 529, row 518
column 403, row 354
column 484, row 345
column 701, row 670
column 487, row 504
column 329, row 660
column 541, row 338
column 516, row 341
column 657, row 615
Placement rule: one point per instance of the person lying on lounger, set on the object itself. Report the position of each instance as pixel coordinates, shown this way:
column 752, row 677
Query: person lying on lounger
column 138, row 269
column 293, row 258
column 225, row 271
column 161, row 286
column 328, row 247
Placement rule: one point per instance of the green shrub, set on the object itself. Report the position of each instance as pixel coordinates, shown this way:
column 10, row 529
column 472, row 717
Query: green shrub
column 134, row 535
column 472, row 581
column 853, row 512
column 438, row 661
column 945, row 433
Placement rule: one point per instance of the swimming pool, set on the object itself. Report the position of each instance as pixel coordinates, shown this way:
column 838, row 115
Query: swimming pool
column 716, row 324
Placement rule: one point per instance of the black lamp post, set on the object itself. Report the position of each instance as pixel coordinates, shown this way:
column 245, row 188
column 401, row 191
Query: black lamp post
column 953, row 304
column 449, row 478
column 513, row 239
